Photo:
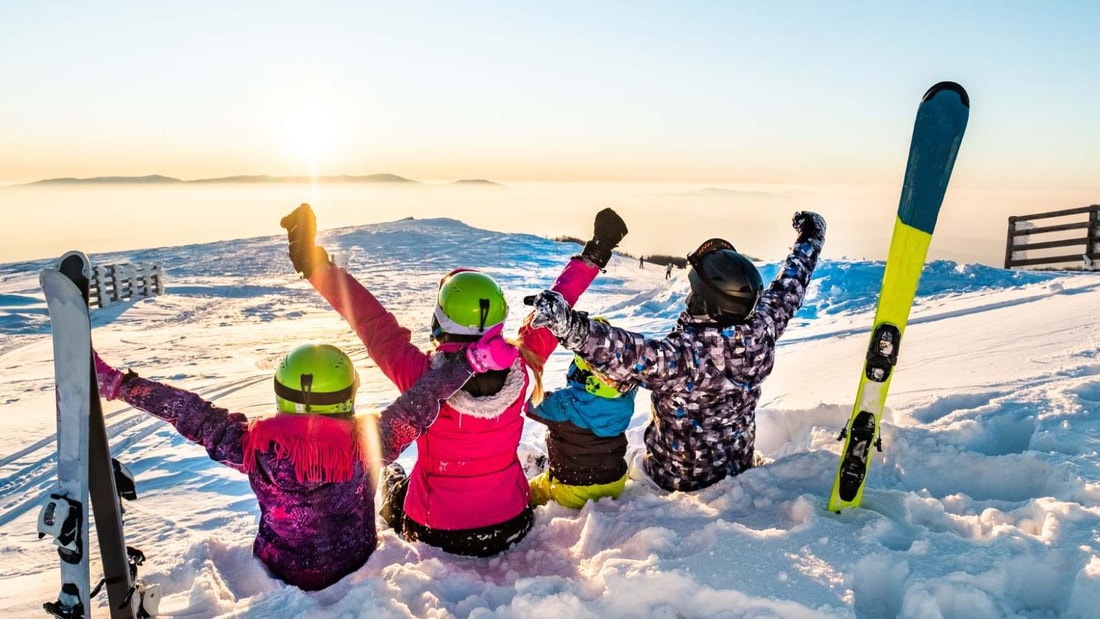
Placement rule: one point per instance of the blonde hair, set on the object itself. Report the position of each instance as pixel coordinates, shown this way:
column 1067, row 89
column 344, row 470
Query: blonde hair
column 536, row 364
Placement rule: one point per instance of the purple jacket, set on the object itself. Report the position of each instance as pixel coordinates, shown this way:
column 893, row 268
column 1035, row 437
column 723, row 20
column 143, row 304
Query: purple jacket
column 310, row 473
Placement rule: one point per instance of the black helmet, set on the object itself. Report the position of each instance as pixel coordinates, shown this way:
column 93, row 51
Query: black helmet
column 725, row 285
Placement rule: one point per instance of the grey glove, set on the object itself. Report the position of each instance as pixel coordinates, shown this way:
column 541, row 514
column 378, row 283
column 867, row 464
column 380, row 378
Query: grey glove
column 552, row 312
column 810, row 227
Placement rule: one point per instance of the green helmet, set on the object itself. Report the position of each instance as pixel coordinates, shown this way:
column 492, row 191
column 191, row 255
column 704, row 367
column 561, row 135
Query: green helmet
column 469, row 302
column 594, row 382
column 316, row 378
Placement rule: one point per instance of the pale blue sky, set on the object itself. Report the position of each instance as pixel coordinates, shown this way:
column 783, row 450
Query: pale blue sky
column 734, row 92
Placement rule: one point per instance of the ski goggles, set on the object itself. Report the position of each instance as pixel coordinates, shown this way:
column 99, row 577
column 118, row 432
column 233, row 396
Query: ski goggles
column 695, row 259
column 708, row 246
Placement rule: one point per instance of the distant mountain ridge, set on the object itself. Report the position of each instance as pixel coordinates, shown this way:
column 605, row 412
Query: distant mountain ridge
column 153, row 178
column 256, row 178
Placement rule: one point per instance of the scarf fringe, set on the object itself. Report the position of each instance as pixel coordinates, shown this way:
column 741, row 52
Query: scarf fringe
column 321, row 449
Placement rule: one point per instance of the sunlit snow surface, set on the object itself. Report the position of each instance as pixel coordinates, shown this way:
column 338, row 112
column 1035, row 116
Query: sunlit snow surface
column 985, row 502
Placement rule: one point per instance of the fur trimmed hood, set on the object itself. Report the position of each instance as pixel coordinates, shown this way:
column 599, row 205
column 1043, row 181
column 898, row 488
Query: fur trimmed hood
column 492, row 406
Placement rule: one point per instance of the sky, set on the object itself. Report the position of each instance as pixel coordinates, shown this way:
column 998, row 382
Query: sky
column 984, row 503
column 794, row 92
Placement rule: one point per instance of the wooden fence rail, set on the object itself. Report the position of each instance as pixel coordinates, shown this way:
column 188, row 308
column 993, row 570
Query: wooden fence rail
column 1022, row 250
column 112, row 283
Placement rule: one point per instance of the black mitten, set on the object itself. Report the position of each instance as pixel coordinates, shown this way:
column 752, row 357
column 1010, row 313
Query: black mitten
column 307, row 260
column 608, row 230
column 301, row 228
column 810, row 227
column 300, row 225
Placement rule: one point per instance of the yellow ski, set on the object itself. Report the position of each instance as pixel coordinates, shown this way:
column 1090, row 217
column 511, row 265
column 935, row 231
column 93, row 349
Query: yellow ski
column 937, row 134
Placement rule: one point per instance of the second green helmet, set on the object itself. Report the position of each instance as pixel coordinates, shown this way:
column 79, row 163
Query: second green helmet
column 469, row 303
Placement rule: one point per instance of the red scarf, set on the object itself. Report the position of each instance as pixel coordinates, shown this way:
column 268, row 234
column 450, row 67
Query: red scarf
column 321, row 448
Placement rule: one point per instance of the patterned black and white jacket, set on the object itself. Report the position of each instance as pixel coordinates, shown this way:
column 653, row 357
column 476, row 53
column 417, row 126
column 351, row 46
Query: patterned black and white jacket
column 705, row 379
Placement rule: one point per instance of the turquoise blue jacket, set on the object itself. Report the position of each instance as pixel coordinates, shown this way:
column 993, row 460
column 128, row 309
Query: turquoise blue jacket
column 604, row 417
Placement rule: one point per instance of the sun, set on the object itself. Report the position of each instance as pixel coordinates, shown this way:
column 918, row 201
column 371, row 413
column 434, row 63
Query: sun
column 310, row 132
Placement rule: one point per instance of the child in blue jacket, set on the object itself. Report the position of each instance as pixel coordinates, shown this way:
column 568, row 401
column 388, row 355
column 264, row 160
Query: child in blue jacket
column 585, row 438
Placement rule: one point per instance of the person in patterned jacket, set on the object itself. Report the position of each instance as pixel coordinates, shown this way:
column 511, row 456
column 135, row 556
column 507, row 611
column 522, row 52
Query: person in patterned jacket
column 308, row 464
column 705, row 375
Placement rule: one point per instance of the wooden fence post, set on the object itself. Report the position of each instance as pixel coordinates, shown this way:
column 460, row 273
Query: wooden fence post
column 1092, row 249
column 158, row 278
column 1008, row 241
column 95, row 287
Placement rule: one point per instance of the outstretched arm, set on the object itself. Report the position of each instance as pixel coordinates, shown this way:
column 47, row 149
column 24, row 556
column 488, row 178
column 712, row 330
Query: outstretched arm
column 216, row 429
column 573, row 281
column 622, row 355
column 416, row 410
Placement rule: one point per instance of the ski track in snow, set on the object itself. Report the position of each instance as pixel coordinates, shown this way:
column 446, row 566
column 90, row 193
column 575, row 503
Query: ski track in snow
column 985, row 502
column 30, row 473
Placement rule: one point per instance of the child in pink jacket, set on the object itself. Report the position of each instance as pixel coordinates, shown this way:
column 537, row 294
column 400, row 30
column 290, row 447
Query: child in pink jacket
column 467, row 493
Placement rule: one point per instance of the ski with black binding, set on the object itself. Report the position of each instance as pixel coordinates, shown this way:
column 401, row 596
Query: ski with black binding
column 937, row 134
column 87, row 474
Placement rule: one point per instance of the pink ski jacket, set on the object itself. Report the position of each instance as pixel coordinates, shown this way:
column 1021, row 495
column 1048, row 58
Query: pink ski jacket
column 467, row 474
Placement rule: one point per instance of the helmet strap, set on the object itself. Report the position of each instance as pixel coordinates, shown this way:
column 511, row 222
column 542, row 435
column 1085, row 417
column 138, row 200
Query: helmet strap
column 307, row 389
column 482, row 313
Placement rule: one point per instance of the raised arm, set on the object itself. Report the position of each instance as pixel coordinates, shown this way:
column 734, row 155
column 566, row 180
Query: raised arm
column 387, row 342
column 215, row 429
column 627, row 356
column 608, row 229
column 575, row 278
column 787, row 291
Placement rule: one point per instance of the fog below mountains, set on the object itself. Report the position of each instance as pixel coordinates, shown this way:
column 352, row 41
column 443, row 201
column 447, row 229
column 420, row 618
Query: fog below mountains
column 45, row 220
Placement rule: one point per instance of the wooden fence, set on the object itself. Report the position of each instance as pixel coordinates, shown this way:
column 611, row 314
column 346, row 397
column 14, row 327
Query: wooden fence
column 1022, row 250
column 112, row 283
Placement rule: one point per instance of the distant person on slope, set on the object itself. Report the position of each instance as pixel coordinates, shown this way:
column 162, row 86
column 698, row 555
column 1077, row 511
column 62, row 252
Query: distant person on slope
column 585, row 438
column 705, row 375
column 467, row 493
column 668, row 270
column 310, row 465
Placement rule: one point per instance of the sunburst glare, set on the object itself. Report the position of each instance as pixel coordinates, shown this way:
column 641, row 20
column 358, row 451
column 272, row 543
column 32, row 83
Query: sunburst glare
column 310, row 132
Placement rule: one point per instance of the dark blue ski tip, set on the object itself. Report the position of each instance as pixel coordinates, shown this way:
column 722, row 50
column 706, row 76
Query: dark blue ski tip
column 953, row 87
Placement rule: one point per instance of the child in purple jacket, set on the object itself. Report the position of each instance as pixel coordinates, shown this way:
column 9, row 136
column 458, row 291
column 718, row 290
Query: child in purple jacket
column 310, row 464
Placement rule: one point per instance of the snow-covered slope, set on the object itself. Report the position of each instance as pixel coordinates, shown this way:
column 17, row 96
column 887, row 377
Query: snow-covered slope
column 985, row 503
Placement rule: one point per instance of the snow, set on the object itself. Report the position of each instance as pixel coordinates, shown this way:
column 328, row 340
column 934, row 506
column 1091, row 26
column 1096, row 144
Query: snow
column 985, row 502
